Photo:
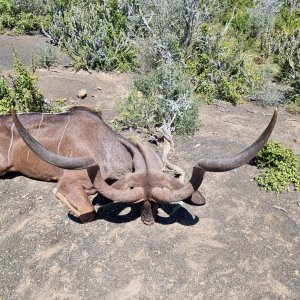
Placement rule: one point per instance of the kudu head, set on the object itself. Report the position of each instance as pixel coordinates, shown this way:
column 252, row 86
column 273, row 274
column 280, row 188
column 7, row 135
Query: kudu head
column 147, row 183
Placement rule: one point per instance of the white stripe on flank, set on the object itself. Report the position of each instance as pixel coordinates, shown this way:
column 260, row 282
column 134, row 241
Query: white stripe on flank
column 63, row 134
column 11, row 141
column 39, row 125
column 37, row 133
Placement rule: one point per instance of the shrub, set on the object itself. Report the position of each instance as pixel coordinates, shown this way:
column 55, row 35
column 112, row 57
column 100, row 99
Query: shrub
column 24, row 91
column 20, row 15
column 263, row 17
column 280, row 166
column 27, row 6
column 163, row 95
column 28, row 97
column 294, row 105
column 46, row 56
column 288, row 55
column 95, row 34
column 283, row 40
column 294, row 96
column 269, row 93
column 221, row 71
column 6, row 96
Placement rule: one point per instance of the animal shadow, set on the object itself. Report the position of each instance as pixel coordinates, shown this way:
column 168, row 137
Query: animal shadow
column 118, row 213
column 113, row 212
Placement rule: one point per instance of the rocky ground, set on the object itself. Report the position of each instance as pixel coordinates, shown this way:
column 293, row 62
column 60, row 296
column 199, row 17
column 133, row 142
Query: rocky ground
column 243, row 244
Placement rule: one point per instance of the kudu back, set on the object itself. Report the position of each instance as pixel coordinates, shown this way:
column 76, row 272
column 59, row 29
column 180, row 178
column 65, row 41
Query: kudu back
column 85, row 156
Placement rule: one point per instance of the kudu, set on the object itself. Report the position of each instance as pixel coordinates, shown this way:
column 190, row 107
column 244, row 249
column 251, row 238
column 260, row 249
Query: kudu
column 80, row 151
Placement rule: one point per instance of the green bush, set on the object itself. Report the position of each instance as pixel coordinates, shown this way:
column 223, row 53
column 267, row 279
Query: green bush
column 46, row 57
column 294, row 96
column 95, row 34
column 21, row 16
column 24, row 91
column 280, row 168
column 287, row 20
column 221, row 72
column 6, row 96
column 294, row 105
column 27, row 6
column 241, row 23
column 161, row 95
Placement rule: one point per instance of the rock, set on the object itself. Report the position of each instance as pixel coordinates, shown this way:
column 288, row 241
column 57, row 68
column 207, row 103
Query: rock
column 98, row 88
column 81, row 94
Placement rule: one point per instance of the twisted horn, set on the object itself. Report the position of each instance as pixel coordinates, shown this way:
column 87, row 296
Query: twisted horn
column 122, row 196
column 214, row 165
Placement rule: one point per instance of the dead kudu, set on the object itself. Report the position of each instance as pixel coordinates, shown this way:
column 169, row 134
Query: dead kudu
column 85, row 156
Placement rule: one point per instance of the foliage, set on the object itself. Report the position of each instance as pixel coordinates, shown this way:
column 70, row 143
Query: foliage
column 280, row 166
column 95, row 34
column 54, row 106
column 161, row 96
column 20, row 15
column 166, row 30
column 294, row 96
column 28, row 97
column 6, row 96
column 210, row 42
column 23, row 91
column 263, row 17
column 221, row 71
column 185, row 32
column 46, row 56
column 269, row 94
column 294, row 105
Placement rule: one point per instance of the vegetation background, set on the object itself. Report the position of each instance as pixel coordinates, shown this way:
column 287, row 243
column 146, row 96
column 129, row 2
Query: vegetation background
column 182, row 53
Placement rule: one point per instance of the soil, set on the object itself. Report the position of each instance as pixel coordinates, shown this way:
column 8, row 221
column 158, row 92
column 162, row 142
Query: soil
column 243, row 244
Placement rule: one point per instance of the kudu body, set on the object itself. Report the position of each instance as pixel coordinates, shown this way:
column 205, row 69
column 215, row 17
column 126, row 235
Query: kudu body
column 85, row 156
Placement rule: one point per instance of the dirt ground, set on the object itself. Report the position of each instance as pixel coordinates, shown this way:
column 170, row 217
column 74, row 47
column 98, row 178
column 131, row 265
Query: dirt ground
column 243, row 244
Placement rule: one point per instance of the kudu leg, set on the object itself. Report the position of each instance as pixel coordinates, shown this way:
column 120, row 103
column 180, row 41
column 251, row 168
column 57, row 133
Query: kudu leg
column 149, row 212
column 4, row 165
column 74, row 197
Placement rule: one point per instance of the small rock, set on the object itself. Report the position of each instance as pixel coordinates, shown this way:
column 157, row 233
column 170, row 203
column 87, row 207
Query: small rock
column 81, row 94
column 98, row 88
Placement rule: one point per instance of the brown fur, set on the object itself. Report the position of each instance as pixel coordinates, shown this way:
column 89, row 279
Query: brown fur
column 85, row 156
column 76, row 133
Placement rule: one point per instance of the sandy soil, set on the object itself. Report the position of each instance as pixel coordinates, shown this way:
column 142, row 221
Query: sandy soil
column 243, row 244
